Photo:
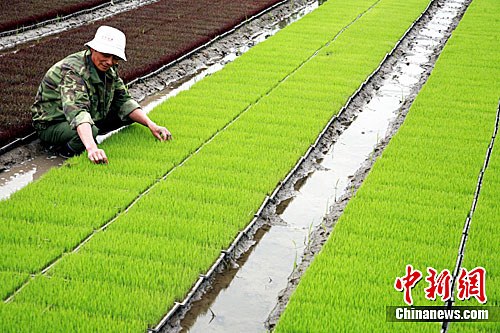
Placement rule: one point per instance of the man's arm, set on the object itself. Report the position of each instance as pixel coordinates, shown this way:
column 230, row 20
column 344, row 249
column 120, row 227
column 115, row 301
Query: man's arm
column 125, row 103
column 76, row 105
column 160, row 132
column 95, row 154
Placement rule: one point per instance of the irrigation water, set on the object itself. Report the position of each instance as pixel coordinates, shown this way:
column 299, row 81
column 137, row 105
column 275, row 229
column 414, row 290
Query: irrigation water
column 17, row 177
column 407, row 70
column 243, row 296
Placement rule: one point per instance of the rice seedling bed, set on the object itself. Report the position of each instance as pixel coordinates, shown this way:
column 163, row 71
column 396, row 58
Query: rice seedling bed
column 412, row 206
column 18, row 13
column 169, row 29
column 135, row 166
column 154, row 251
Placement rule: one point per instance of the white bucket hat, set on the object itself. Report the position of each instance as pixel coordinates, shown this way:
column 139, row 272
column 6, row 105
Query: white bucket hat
column 109, row 40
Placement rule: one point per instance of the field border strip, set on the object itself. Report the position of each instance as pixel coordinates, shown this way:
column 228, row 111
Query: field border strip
column 468, row 220
column 228, row 255
column 17, row 142
column 56, row 260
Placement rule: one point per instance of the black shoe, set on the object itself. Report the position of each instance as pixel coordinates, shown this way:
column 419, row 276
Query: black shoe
column 66, row 152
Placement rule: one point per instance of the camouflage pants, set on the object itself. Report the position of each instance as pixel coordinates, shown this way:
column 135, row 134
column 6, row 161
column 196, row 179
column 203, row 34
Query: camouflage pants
column 61, row 134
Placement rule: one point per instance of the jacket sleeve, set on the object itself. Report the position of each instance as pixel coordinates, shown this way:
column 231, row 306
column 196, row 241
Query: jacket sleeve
column 122, row 101
column 75, row 98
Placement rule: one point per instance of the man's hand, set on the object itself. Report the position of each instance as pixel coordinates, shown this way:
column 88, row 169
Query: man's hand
column 160, row 132
column 97, row 155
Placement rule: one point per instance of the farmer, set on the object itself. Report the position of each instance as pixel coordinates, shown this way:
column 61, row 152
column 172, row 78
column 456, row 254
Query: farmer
column 82, row 96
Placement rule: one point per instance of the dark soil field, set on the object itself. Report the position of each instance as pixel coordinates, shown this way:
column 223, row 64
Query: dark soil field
column 15, row 14
column 156, row 35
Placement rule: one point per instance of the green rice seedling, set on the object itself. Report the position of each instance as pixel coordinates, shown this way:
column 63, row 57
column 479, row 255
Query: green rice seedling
column 16, row 257
column 11, row 280
column 45, row 317
column 411, row 207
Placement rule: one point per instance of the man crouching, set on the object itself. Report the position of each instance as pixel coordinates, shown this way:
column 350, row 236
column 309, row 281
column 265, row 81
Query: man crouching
column 82, row 96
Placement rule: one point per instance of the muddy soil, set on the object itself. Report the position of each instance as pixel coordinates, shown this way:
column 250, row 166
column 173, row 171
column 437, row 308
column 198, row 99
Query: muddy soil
column 320, row 235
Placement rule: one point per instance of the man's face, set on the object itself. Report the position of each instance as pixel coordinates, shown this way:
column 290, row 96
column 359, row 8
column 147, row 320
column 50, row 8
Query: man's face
column 103, row 61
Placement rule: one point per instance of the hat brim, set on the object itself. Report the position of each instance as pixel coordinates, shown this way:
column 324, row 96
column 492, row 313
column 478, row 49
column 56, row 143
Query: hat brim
column 104, row 48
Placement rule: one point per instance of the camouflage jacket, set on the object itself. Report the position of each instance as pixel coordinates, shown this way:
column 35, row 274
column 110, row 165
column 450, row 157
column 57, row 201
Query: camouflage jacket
column 72, row 91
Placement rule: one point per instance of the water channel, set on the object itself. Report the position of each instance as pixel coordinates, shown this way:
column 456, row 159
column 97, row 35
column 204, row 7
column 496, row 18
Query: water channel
column 243, row 297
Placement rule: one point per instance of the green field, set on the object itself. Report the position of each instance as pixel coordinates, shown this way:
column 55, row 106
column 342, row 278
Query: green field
column 237, row 133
